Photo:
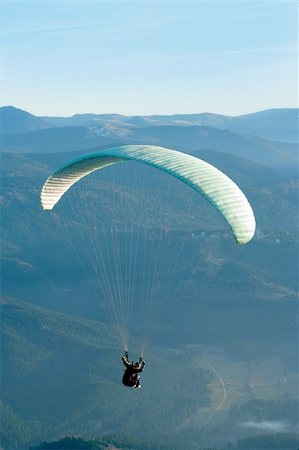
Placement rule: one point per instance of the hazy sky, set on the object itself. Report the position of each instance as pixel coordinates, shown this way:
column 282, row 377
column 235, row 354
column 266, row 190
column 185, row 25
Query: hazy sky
column 148, row 56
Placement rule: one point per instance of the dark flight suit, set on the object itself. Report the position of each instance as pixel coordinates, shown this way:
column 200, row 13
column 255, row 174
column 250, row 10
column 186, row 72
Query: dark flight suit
column 131, row 377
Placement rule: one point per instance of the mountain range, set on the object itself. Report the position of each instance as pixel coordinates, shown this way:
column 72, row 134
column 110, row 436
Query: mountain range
column 22, row 132
column 274, row 124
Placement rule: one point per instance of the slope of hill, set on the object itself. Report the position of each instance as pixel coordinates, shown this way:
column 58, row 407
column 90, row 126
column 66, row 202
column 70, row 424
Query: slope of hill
column 57, row 140
column 275, row 124
column 14, row 120
column 277, row 155
column 62, row 375
column 272, row 154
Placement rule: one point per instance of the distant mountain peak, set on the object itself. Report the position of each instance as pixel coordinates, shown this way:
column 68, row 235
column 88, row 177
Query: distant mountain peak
column 15, row 120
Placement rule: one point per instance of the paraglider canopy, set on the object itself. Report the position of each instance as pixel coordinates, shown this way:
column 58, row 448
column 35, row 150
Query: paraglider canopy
column 211, row 183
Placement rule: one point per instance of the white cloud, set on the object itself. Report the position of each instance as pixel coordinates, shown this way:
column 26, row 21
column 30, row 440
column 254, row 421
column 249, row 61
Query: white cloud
column 266, row 425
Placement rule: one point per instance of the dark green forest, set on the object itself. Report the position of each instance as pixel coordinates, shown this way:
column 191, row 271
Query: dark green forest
column 287, row 441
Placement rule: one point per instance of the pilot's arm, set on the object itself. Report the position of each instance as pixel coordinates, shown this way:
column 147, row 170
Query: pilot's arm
column 140, row 367
column 126, row 361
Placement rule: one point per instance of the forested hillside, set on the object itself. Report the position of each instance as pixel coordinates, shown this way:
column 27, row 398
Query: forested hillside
column 222, row 360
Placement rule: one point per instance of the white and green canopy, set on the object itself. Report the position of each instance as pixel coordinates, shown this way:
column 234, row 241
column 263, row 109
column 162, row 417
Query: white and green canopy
column 210, row 182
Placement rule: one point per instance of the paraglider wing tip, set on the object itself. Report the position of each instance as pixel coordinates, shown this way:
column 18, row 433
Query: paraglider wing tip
column 241, row 242
column 45, row 206
column 244, row 240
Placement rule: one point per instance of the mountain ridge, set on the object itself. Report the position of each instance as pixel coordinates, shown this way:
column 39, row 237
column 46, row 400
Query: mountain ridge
column 14, row 120
column 277, row 123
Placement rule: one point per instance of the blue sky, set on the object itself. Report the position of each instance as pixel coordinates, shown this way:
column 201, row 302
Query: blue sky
column 148, row 56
